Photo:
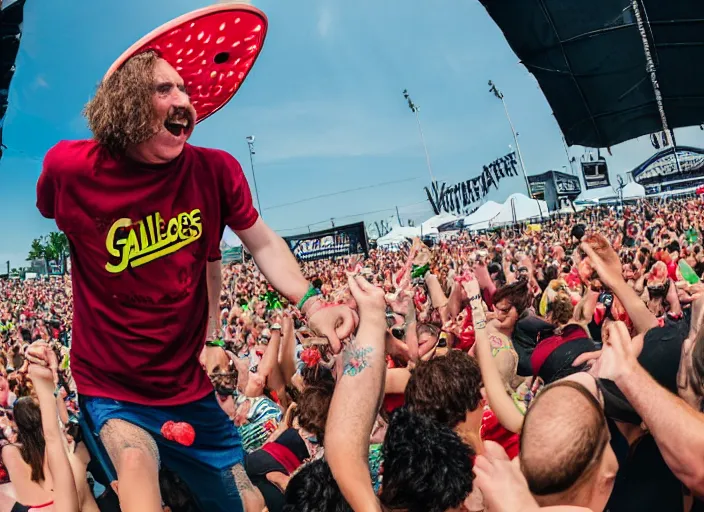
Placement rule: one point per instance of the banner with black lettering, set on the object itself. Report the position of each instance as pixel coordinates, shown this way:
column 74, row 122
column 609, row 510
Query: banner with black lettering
column 330, row 243
column 596, row 174
column 463, row 197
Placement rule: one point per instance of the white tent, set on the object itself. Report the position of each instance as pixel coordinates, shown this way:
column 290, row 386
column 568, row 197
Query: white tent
column 434, row 222
column 568, row 209
column 519, row 207
column 399, row 235
column 480, row 219
column 633, row 190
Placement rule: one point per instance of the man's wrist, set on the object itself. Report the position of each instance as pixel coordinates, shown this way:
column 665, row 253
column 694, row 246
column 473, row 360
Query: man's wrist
column 620, row 286
column 311, row 293
column 312, row 306
column 625, row 378
column 370, row 323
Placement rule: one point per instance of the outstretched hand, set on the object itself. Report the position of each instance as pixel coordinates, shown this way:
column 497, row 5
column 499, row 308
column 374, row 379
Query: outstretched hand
column 336, row 323
column 43, row 367
column 370, row 300
column 471, row 286
column 616, row 359
column 603, row 259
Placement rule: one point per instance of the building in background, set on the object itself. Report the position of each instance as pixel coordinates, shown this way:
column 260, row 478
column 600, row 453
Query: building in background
column 670, row 172
column 557, row 189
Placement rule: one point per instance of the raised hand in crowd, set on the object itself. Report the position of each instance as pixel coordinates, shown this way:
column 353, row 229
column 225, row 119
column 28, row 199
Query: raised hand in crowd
column 44, row 377
column 357, row 397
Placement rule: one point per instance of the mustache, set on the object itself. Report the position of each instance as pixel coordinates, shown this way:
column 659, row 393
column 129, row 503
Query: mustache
column 180, row 113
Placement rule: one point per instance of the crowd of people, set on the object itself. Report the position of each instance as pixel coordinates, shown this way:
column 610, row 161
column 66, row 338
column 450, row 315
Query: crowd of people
column 550, row 365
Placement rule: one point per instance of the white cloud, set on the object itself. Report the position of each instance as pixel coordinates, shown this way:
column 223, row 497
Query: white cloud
column 248, row 2
column 325, row 19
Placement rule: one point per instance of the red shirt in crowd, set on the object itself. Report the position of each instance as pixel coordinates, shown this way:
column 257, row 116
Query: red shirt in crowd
column 140, row 236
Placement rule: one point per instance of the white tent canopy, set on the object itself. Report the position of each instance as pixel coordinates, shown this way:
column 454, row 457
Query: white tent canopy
column 480, row 219
column 519, row 207
column 400, row 234
column 633, row 190
column 568, row 209
column 516, row 208
column 434, row 222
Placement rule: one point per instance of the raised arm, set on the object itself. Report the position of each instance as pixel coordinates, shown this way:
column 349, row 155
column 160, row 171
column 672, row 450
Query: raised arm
column 278, row 265
column 275, row 260
column 678, row 429
column 607, row 264
column 494, row 385
column 287, row 352
column 65, row 494
column 356, row 400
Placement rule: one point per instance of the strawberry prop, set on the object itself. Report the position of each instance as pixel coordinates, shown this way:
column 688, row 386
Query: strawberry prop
column 213, row 49
column 179, row 432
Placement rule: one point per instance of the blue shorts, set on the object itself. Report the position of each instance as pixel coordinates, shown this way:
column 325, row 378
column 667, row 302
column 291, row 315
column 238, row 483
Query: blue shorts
column 206, row 465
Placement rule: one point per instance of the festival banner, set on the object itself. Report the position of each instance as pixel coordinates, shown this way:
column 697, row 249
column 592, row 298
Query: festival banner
column 463, row 197
column 596, row 174
column 338, row 241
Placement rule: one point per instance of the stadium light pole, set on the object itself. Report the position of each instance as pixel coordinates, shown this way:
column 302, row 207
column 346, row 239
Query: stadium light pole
column 415, row 108
column 500, row 95
column 250, row 144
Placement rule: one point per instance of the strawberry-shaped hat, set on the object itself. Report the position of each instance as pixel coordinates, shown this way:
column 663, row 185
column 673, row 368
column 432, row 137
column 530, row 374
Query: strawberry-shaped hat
column 212, row 48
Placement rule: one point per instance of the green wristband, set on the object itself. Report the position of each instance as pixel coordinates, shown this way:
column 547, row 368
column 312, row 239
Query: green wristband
column 312, row 292
column 215, row 343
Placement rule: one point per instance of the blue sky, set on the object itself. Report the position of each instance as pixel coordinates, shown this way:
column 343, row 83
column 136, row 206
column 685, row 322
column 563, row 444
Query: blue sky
column 324, row 102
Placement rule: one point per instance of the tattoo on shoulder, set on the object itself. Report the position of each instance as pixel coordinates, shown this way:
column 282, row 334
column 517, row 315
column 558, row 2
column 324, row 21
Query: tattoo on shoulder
column 355, row 359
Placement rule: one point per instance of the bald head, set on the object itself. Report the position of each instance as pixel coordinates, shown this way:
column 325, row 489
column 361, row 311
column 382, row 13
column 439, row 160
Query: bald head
column 563, row 433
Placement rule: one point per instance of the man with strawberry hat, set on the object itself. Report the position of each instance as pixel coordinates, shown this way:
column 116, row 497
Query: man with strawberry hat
column 144, row 212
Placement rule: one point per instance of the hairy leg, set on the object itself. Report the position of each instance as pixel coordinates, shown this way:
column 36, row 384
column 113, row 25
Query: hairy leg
column 252, row 499
column 136, row 458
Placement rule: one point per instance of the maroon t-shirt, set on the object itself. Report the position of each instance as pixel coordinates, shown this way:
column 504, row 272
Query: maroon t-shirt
column 140, row 236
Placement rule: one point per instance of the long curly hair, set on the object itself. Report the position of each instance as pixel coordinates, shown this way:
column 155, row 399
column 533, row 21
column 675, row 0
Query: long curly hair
column 30, row 436
column 122, row 112
column 312, row 409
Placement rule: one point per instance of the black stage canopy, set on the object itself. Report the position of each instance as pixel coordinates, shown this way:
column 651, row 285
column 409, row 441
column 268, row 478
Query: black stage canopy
column 589, row 60
column 10, row 31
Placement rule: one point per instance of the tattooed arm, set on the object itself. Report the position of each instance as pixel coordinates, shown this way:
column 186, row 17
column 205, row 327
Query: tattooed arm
column 356, row 400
